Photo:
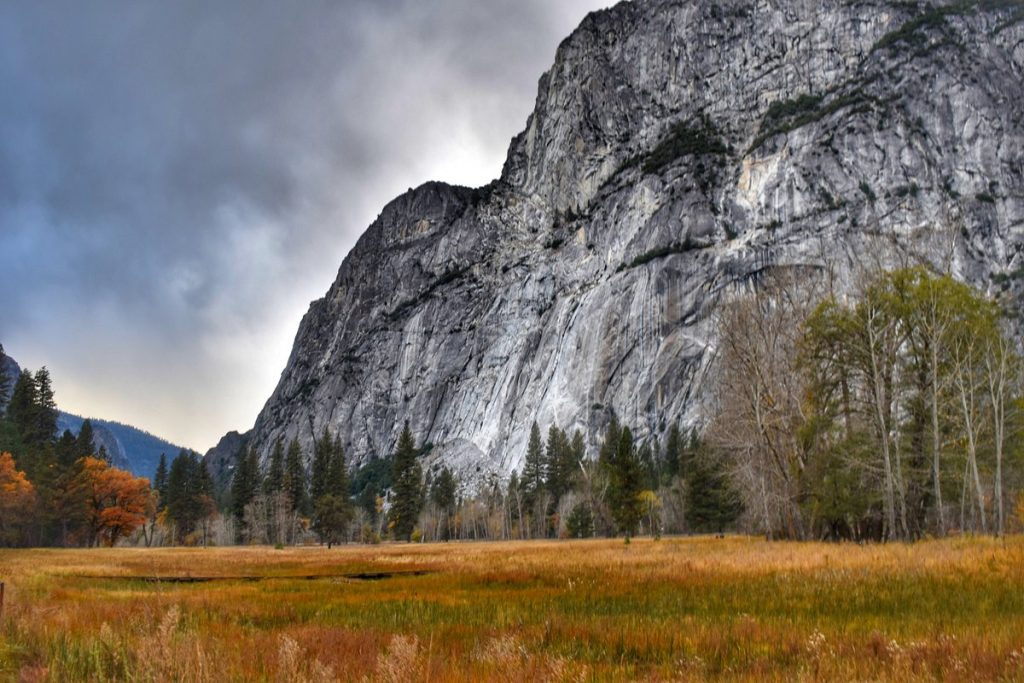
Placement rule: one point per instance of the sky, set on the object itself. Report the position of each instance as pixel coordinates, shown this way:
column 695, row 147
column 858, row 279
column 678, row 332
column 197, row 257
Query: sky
column 179, row 180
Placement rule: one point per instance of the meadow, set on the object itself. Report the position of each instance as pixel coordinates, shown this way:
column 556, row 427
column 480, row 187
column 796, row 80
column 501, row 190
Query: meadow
column 674, row 609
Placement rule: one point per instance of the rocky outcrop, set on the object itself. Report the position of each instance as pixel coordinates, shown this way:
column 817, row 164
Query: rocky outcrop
column 221, row 459
column 677, row 150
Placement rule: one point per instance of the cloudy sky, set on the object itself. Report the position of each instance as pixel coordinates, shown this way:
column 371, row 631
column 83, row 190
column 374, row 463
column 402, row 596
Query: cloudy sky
column 178, row 180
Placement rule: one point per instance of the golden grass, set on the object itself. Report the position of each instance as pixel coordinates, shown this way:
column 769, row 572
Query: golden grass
column 675, row 609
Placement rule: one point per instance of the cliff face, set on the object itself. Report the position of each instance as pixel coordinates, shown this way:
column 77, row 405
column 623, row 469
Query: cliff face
column 677, row 150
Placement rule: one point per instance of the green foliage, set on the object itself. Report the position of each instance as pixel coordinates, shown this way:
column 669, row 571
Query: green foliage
column 443, row 491
column 625, row 483
column 658, row 252
column 532, row 480
column 559, row 468
column 273, row 483
column 160, row 482
column 32, row 409
column 332, row 507
column 369, row 482
column 295, row 479
column 684, row 140
column 244, row 488
column 894, row 376
column 914, row 32
column 789, row 115
column 868, row 192
column 443, row 495
column 449, row 276
column 580, row 523
column 189, row 494
column 407, row 493
column 713, row 502
column 322, row 451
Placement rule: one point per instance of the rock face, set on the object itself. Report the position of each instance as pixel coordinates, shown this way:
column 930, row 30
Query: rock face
column 677, row 150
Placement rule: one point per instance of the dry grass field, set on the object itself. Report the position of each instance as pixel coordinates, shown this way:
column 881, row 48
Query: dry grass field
column 675, row 609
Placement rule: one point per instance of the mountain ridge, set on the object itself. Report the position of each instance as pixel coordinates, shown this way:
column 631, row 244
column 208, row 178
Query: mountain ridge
column 676, row 152
column 127, row 447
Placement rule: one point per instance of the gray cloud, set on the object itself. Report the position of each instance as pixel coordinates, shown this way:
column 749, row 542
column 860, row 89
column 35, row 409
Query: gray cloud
column 179, row 180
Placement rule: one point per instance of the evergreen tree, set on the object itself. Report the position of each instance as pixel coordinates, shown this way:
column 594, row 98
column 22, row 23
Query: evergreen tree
column 338, row 483
column 333, row 510
column 21, row 408
column 407, row 477
column 556, row 473
column 713, row 502
column 84, row 443
column 323, row 449
column 580, row 523
column 45, row 411
column 648, row 467
column 625, row 482
column 274, row 481
column 673, row 447
column 577, row 452
column 189, row 494
column 295, row 479
column 181, row 494
column 533, row 467
column 610, row 444
column 242, row 490
column 66, row 450
column 160, row 482
column 442, row 495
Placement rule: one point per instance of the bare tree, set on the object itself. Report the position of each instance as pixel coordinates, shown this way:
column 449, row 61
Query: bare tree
column 760, row 391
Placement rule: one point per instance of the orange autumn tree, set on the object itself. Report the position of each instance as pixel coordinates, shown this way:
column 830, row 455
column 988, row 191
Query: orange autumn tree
column 17, row 502
column 116, row 501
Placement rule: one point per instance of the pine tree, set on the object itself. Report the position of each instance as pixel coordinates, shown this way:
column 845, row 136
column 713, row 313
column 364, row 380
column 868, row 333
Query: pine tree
column 532, row 480
column 407, row 477
column 338, row 483
column 555, row 461
column 442, row 495
column 160, row 482
column 274, row 481
column 610, row 444
column 333, row 509
column 577, row 452
column 295, row 479
column 625, row 483
column 45, row 410
column 323, row 449
column 84, row 443
column 648, row 467
column 713, row 502
column 241, row 491
column 189, row 494
column 673, row 447
column 66, row 450
column 180, row 495
column 21, row 408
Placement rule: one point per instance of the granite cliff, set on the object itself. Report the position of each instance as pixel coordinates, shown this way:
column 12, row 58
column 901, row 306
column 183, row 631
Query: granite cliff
column 678, row 149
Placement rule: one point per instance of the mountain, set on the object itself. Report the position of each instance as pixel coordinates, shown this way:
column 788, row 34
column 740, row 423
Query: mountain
column 129, row 448
column 678, row 150
column 8, row 368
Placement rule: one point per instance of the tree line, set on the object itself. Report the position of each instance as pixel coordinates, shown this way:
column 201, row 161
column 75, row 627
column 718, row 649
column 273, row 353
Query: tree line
column 890, row 413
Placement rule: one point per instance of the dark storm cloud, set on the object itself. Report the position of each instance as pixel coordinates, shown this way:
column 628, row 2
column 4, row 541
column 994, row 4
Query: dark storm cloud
column 179, row 180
